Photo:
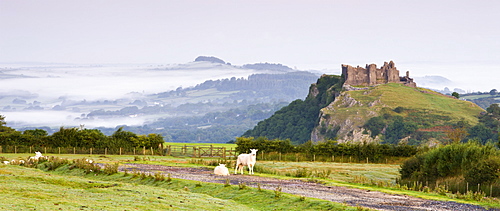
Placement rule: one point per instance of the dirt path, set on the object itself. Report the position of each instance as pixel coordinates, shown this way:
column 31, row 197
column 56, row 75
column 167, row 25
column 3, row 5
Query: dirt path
column 354, row 197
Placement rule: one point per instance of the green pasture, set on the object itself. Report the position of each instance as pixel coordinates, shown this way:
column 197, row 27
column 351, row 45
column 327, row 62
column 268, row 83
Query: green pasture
column 33, row 189
column 376, row 177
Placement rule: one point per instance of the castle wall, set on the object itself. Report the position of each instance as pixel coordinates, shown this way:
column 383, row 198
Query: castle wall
column 371, row 75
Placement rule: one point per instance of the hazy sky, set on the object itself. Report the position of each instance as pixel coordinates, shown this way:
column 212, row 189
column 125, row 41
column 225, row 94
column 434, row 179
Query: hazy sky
column 457, row 39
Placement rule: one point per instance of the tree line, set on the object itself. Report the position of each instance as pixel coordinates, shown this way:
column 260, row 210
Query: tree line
column 358, row 151
column 77, row 137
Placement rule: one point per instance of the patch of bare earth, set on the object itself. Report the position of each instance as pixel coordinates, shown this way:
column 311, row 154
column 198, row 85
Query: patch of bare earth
column 351, row 196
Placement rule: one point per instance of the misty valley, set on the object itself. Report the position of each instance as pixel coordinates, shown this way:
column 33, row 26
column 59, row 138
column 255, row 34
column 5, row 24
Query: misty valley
column 202, row 101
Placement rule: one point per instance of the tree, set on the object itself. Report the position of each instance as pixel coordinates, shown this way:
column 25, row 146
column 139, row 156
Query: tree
column 65, row 137
column 121, row 138
column 493, row 92
column 455, row 94
column 457, row 134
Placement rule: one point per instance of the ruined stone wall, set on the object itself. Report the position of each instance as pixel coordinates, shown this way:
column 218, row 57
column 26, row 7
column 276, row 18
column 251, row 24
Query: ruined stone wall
column 371, row 75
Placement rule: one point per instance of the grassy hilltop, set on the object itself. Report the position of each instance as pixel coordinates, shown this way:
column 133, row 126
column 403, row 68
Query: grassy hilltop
column 428, row 112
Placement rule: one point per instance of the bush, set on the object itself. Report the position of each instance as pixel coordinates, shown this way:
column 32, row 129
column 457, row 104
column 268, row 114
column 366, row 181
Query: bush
column 472, row 161
column 486, row 171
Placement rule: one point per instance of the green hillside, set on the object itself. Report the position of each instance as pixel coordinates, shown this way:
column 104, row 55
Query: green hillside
column 423, row 113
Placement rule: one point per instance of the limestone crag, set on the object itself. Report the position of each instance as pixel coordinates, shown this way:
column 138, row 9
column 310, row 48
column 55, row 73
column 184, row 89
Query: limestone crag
column 347, row 123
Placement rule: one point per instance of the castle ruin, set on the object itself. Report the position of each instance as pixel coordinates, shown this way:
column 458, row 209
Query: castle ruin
column 370, row 76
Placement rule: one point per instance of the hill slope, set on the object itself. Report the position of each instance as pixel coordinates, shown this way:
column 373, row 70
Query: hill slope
column 385, row 113
column 414, row 115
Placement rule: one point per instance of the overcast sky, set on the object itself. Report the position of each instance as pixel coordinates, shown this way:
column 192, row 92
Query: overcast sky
column 457, row 39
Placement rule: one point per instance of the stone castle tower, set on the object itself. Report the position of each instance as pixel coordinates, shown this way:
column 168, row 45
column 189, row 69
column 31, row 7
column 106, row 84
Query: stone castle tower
column 369, row 76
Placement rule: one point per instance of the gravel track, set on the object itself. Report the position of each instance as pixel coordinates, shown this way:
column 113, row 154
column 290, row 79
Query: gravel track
column 351, row 196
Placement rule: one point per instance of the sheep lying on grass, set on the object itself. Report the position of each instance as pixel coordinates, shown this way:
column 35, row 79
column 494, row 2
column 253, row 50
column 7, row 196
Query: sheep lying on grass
column 221, row 170
column 246, row 160
column 37, row 156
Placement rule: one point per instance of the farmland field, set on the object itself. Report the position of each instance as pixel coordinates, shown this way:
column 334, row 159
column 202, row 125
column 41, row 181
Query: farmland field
column 27, row 188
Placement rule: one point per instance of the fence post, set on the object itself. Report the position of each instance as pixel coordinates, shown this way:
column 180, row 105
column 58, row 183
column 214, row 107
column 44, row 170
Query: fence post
column 1, row 150
column 59, row 149
column 134, row 150
column 169, row 150
column 280, row 156
column 30, row 149
column 366, row 159
column 74, row 150
column 91, row 151
column 120, row 151
column 105, row 151
column 297, row 156
column 45, row 150
column 152, row 152
column 143, row 150
column 224, row 153
column 15, row 149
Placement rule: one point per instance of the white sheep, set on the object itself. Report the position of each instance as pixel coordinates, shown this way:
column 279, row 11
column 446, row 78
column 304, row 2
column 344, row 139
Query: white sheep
column 6, row 162
column 221, row 170
column 246, row 160
column 37, row 156
column 89, row 161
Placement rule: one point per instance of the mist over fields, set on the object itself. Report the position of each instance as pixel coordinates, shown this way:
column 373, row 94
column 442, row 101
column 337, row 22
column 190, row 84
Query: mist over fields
column 58, row 95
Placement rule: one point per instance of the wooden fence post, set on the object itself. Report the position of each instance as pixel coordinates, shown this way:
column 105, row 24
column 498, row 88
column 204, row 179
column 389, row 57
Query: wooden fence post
column 90, row 151
column 45, row 150
column 152, row 152
column 15, row 149
column 143, row 150
column 30, row 149
column 105, row 151
column 224, row 153
column 120, row 151
column 59, row 149
column 74, row 150
column 1, row 150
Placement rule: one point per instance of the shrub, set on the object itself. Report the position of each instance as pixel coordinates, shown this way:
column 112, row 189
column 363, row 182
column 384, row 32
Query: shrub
column 111, row 168
column 486, row 171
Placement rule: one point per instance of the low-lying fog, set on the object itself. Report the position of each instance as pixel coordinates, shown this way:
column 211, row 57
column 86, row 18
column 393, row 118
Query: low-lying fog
column 29, row 94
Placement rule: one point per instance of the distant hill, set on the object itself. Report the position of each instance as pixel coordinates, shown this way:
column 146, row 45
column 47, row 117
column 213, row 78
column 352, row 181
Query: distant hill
column 268, row 66
column 209, row 59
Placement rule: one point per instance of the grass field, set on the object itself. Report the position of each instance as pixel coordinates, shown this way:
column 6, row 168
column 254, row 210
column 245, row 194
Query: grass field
column 33, row 189
column 25, row 188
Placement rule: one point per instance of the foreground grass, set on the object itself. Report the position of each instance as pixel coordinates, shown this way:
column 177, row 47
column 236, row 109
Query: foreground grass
column 374, row 177
column 26, row 188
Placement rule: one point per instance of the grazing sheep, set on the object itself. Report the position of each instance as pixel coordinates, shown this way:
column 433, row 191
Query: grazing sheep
column 6, row 162
column 221, row 170
column 246, row 160
column 89, row 161
column 37, row 156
